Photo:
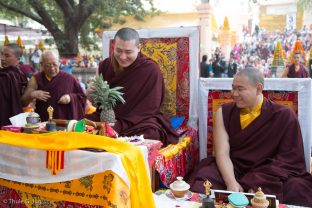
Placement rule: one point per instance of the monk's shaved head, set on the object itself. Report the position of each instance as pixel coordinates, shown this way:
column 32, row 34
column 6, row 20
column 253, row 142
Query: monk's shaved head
column 17, row 51
column 10, row 55
column 253, row 74
column 50, row 63
column 46, row 54
column 128, row 34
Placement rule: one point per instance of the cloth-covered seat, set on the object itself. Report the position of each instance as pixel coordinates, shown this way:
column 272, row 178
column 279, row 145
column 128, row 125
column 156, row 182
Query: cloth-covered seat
column 295, row 93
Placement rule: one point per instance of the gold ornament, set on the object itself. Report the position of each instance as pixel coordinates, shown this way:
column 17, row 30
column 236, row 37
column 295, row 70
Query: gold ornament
column 50, row 112
column 207, row 186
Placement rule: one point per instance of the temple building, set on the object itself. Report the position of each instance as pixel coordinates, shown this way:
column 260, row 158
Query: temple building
column 209, row 16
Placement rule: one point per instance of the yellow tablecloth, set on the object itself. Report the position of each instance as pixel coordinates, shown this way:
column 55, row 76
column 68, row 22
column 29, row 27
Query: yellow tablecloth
column 131, row 156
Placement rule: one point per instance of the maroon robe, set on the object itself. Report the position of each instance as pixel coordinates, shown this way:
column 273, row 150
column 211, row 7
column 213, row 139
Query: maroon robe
column 302, row 73
column 63, row 83
column 143, row 88
column 27, row 69
column 268, row 154
column 12, row 85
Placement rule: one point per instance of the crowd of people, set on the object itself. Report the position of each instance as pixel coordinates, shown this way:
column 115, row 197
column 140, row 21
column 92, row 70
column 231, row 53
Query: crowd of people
column 33, row 55
column 249, row 151
column 257, row 50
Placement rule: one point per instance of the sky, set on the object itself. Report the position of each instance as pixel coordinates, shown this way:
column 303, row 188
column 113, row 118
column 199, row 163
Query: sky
column 221, row 8
column 176, row 5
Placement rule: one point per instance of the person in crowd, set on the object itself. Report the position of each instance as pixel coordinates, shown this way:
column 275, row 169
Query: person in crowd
column 204, row 67
column 35, row 58
column 257, row 30
column 52, row 87
column 85, row 61
column 232, row 68
column 27, row 69
column 258, row 143
column 223, row 66
column 217, row 67
column 12, row 83
column 310, row 63
column 67, row 66
column 143, row 88
column 263, row 52
column 295, row 70
column 210, row 67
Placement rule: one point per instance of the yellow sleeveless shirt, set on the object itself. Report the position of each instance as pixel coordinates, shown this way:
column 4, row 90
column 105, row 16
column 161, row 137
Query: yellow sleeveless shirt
column 246, row 116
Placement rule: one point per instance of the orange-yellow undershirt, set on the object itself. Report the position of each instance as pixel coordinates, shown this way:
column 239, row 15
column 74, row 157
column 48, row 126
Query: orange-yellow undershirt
column 246, row 116
column 48, row 78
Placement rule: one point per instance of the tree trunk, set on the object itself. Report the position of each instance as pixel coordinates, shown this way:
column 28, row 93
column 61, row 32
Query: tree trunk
column 67, row 42
column 75, row 15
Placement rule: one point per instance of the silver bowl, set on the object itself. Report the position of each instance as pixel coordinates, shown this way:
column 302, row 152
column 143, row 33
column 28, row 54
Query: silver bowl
column 32, row 119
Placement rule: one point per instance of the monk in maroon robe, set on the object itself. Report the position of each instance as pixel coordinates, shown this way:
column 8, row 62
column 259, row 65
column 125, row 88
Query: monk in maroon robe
column 300, row 73
column 27, row 69
column 296, row 70
column 143, row 88
column 268, row 153
column 12, row 83
column 55, row 88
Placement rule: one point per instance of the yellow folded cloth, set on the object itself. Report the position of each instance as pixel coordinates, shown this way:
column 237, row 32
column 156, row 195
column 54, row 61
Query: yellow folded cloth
column 173, row 149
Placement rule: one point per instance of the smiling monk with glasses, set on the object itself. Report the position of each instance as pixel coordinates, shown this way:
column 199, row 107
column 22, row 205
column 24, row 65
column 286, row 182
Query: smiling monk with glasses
column 52, row 87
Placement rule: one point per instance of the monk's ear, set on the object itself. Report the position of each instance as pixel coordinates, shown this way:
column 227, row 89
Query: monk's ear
column 259, row 89
column 139, row 46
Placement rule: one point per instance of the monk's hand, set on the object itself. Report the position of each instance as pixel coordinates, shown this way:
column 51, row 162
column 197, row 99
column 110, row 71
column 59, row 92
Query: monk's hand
column 236, row 187
column 251, row 190
column 89, row 91
column 40, row 95
column 65, row 99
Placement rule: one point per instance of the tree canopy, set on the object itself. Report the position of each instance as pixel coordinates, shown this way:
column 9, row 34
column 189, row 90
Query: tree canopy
column 69, row 20
column 305, row 4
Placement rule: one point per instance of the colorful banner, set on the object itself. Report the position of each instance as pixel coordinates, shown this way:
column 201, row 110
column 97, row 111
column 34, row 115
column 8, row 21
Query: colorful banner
column 105, row 189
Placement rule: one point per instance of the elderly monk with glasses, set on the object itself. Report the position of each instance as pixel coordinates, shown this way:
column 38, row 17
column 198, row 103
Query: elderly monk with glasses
column 52, row 87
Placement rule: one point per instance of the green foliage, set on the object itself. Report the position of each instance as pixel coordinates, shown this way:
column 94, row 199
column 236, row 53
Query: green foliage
column 103, row 97
column 305, row 5
column 49, row 41
column 50, row 6
column 66, row 20
column 111, row 12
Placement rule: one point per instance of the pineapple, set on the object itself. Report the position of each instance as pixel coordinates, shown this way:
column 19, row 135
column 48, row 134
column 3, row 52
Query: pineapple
column 105, row 99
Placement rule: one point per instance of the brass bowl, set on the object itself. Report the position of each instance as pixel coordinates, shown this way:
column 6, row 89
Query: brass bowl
column 263, row 204
column 179, row 194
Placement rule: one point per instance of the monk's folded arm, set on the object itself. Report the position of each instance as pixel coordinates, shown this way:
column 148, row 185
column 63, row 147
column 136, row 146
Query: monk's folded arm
column 222, row 150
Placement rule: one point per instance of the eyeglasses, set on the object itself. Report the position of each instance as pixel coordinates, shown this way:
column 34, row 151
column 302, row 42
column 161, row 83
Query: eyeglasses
column 50, row 65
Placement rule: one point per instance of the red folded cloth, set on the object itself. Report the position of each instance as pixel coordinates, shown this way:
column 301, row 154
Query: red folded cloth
column 12, row 128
